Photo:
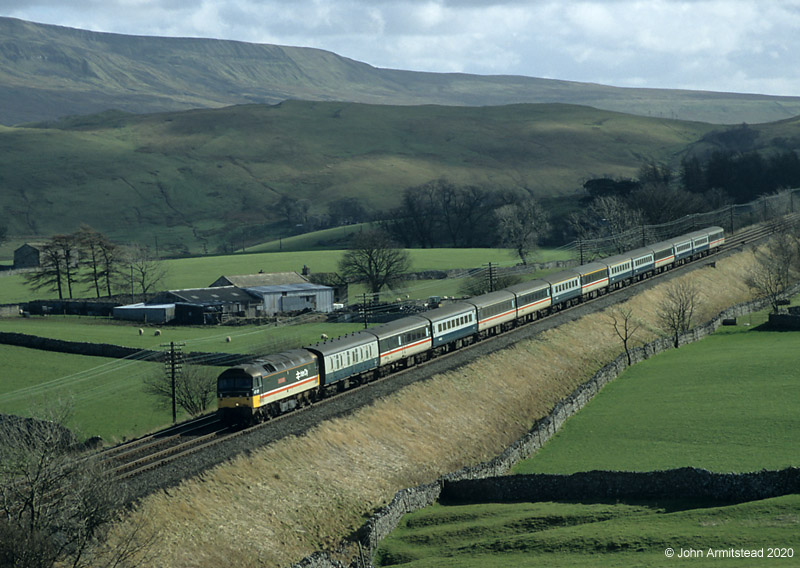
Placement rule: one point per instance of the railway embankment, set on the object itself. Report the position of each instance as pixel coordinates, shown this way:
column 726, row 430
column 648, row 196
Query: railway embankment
column 487, row 482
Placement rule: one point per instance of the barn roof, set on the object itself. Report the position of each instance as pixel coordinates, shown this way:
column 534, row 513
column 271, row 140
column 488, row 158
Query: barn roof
column 260, row 279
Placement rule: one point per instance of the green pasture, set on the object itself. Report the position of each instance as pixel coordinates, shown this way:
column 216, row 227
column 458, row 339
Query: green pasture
column 199, row 272
column 105, row 396
column 257, row 339
column 727, row 403
column 593, row 534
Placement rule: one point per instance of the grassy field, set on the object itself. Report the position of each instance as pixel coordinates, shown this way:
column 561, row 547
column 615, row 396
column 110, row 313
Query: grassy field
column 727, row 403
column 105, row 395
column 593, row 534
column 244, row 339
column 199, row 272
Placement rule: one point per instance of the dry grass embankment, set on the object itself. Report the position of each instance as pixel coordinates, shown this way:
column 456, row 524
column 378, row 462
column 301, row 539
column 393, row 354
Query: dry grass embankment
column 278, row 504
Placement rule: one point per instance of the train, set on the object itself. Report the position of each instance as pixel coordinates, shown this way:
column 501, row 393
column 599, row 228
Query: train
column 269, row 386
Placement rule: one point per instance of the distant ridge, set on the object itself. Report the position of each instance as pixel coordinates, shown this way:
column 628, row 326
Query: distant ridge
column 47, row 72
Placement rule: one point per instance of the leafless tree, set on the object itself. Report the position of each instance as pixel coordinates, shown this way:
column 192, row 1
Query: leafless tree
column 625, row 327
column 58, row 266
column 777, row 266
column 521, row 225
column 99, row 256
column 374, row 259
column 54, row 502
column 143, row 268
column 676, row 310
column 195, row 388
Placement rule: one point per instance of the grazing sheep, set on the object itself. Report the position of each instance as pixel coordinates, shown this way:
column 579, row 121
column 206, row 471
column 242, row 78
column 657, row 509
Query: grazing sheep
column 324, row 336
column 141, row 331
column 157, row 332
column 228, row 339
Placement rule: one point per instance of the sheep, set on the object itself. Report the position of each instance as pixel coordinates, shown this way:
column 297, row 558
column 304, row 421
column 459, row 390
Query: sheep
column 324, row 337
column 157, row 332
column 141, row 331
column 228, row 339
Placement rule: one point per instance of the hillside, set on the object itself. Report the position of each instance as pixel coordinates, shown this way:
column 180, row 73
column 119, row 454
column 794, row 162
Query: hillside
column 47, row 72
column 202, row 175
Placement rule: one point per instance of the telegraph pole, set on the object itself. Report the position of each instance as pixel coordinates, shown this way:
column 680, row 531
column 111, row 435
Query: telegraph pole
column 173, row 363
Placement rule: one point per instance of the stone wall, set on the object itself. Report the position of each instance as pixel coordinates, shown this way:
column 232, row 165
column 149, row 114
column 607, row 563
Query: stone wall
column 114, row 351
column 683, row 483
column 482, row 477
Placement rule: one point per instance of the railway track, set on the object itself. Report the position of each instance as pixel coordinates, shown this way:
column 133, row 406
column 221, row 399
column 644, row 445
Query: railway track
column 168, row 446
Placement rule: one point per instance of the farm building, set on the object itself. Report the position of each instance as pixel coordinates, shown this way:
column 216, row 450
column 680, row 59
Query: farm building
column 211, row 305
column 146, row 313
column 260, row 279
column 26, row 256
column 294, row 298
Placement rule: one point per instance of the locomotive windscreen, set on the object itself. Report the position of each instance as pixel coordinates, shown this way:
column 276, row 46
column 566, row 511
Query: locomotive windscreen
column 231, row 382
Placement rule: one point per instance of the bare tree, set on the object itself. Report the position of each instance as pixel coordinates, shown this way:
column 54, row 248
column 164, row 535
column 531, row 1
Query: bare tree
column 144, row 269
column 676, row 310
column 521, row 225
column 777, row 266
column 99, row 256
column 374, row 259
column 58, row 266
column 54, row 503
column 625, row 327
column 195, row 388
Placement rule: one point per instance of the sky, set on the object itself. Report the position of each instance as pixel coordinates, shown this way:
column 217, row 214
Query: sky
column 746, row 46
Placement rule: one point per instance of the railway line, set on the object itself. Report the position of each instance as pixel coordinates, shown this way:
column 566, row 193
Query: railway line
column 197, row 443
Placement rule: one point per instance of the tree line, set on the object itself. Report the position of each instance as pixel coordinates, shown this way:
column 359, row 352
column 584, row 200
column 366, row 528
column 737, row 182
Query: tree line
column 90, row 259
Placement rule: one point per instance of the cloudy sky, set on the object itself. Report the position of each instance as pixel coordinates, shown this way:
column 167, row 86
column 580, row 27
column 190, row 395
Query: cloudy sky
column 748, row 46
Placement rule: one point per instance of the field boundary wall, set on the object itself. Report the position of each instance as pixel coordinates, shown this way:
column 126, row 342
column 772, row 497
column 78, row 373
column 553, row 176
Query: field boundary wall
column 113, row 351
column 386, row 519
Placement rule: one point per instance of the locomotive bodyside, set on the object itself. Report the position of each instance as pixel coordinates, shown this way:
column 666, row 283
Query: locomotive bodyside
column 268, row 386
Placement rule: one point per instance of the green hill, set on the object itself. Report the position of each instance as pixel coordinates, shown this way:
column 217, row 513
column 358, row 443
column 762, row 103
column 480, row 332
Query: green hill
column 49, row 71
column 197, row 176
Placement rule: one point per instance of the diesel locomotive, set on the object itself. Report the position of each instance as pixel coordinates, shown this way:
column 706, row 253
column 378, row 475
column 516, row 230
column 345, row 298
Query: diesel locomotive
column 271, row 385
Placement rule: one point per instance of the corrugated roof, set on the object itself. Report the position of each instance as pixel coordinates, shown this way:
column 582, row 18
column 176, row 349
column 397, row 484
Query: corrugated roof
column 261, row 279
column 302, row 287
column 219, row 294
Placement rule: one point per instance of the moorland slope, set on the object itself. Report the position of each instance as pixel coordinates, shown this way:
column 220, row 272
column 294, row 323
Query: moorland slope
column 193, row 176
column 50, row 71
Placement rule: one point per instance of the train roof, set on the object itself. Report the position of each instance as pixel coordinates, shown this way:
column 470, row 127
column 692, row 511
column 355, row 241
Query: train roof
column 616, row 259
column 330, row 346
column 529, row 286
column 491, row 298
column 560, row 276
column 277, row 362
column 590, row 267
column 398, row 326
column 447, row 310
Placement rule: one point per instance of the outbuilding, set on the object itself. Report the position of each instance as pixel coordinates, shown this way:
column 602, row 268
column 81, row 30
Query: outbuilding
column 294, row 298
column 26, row 256
column 146, row 313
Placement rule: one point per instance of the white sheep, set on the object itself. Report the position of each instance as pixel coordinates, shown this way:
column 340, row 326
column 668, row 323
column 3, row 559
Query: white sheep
column 141, row 331
column 324, row 336
column 157, row 332
column 228, row 339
